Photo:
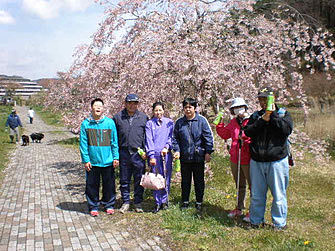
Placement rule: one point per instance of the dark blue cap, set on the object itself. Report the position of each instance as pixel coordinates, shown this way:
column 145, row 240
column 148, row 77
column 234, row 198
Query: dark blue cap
column 132, row 98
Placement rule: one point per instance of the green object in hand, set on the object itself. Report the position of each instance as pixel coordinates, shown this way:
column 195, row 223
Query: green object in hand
column 270, row 102
column 140, row 151
column 218, row 118
column 177, row 165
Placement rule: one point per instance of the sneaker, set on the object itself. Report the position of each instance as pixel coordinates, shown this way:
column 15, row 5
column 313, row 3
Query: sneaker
column 138, row 208
column 110, row 211
column 277, row 228
column 164, row 206
column 184, row 205
column 124, row 208
column 198, row 206
column 247, row 218
column 234, row 213
column 156, row 209
column 94, row 213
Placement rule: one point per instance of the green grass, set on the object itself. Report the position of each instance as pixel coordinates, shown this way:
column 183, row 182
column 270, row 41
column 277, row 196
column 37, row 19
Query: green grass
column 5, row 145
column 49, row 117
column 70, row 142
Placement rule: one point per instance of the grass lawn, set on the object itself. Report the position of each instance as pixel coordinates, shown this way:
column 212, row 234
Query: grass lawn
column 49, row 117
column 5, row 145
column 310, row 214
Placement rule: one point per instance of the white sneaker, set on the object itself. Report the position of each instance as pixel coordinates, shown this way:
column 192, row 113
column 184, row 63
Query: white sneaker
column 124, row 208
column 247, row 218
column 234, row 213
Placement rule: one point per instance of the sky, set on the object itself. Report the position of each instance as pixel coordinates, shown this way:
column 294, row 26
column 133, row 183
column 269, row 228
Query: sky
column 38, row 37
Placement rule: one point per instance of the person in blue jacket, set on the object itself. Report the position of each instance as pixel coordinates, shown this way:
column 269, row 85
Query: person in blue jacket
column 193, row 144
column 130, row 124
column 13, row 122
column 100, row 155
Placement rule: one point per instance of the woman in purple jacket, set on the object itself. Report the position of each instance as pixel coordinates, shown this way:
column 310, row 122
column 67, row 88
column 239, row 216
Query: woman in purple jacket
column 158, row 132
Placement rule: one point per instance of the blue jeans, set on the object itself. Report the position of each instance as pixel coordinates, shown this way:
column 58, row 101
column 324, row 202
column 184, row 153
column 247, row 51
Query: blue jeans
column 131, row 165
column 273, row 175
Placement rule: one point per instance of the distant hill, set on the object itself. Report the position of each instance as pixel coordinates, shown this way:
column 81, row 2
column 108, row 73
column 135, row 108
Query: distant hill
column 13, row 78
column 47, row 82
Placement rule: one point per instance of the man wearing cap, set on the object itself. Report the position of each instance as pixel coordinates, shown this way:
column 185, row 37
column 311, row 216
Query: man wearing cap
column 269, row 129
column 13, row 122
column 130, row 125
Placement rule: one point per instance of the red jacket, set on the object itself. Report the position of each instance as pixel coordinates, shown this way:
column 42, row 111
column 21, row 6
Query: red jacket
column 232, row 131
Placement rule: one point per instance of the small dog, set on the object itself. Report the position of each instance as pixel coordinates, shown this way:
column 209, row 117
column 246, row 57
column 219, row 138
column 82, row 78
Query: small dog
column 36, row 137
column 25, row 140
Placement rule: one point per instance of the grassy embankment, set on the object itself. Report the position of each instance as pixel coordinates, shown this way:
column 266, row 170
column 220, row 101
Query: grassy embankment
column 5, row 145
column 310, row 216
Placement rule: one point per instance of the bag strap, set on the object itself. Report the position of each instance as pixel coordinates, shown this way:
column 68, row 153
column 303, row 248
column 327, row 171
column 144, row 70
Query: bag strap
column 165, row 171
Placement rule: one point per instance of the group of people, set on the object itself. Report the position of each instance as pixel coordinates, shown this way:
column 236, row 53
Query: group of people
column 107, row 143
column 258, row 155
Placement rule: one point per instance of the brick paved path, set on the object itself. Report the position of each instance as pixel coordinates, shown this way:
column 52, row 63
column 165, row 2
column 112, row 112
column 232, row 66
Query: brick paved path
column 42, row 203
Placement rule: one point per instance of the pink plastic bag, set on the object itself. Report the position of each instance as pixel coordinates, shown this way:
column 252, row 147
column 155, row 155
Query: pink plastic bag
column 153, row 181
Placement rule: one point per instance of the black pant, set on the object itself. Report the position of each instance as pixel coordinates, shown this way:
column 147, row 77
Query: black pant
column 93, row 185
column 198, row 171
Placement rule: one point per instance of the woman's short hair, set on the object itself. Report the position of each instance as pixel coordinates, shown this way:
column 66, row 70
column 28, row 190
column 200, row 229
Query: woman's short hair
column 156, row 104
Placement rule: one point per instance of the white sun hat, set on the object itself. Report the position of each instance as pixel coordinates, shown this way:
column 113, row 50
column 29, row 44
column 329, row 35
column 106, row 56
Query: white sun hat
column 238, row 102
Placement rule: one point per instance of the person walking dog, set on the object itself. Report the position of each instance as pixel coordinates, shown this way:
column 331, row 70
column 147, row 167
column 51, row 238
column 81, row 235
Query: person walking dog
column 130, row 125
column 239, row 152
column 99, row 154
column 193, row 144
column 158, row 145
column 13, row 122
column 269, row 129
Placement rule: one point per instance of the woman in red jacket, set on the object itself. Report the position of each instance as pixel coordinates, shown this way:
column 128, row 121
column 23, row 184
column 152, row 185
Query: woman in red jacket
column 239, row 142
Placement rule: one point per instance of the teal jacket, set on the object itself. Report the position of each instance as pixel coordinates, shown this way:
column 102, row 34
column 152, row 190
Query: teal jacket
column 98, row 142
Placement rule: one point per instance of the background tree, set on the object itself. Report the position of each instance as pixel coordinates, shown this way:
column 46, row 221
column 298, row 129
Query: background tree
column 211, row 50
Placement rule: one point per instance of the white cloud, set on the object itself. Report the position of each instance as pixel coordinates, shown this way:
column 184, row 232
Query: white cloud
column 51, row 9
column 77, row 5
column 6, row 18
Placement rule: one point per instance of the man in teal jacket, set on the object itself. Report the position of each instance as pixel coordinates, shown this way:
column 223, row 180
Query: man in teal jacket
column 100, row 155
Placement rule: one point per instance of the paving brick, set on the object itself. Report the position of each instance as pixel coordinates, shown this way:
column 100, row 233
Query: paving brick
column 38, row 210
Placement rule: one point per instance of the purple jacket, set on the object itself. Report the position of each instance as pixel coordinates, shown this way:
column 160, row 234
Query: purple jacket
column 158, row 136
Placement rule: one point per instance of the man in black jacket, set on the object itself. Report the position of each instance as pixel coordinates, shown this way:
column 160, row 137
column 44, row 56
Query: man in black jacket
column 269, row 168
column 193, row 144
column 130, row 124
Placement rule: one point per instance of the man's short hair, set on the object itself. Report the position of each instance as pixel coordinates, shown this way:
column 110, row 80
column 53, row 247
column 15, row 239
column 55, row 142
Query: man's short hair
column 96, row 100
column 190, row 101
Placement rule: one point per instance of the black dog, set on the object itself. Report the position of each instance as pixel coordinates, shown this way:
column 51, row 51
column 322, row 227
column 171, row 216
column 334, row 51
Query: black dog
column 25, row 140
column 36, row 137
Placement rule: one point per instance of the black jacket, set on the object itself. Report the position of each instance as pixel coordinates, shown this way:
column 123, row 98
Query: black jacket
column 131, row 136
column 269, row 139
